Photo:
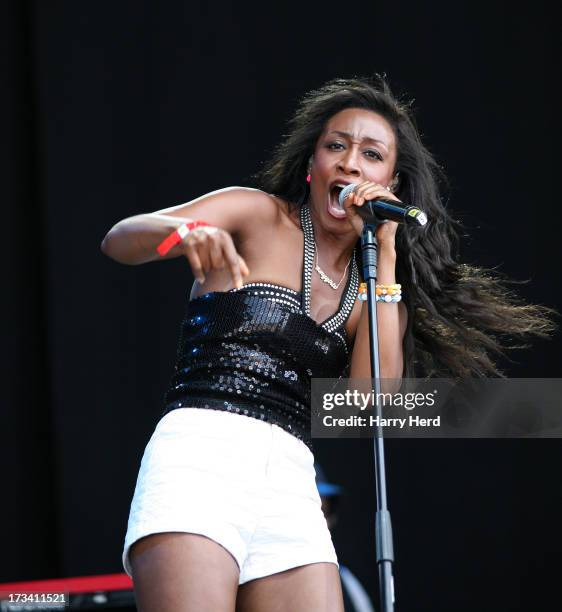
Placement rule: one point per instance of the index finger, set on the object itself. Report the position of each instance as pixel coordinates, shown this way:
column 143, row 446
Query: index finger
column 233, row 262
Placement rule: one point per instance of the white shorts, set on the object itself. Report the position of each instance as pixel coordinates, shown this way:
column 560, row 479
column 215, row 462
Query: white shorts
column 246, row 484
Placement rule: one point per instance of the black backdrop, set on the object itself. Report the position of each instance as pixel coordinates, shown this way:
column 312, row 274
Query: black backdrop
column 115, row 108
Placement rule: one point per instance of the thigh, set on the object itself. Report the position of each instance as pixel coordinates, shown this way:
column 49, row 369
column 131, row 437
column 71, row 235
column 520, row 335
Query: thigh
column 315, row 587
column 183, row 572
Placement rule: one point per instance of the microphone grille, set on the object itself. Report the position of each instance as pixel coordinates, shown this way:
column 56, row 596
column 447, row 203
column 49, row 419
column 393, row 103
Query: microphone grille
column 345, row 192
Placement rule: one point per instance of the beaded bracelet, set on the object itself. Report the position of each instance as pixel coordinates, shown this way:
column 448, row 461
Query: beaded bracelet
column 178, row 235
column 383, row 293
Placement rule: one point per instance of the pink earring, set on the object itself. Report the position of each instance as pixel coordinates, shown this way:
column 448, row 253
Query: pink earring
column 308, row 178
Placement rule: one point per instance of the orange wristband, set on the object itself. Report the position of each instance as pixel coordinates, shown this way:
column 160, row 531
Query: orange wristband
column 178, row 235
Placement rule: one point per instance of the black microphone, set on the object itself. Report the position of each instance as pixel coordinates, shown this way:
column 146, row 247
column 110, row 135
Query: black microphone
column 374, row 211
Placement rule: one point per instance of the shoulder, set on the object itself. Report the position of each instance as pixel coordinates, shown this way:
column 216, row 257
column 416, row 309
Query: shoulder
column 245, row 197
column 231, row 208
column 265, row 205
column 253, row 206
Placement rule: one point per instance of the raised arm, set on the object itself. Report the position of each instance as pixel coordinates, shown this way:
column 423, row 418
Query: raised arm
column 392, row 317
column 133, row 240
column 392, row 320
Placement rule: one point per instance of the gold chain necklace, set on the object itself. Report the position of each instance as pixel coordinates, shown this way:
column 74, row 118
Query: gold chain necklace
column 325, row 277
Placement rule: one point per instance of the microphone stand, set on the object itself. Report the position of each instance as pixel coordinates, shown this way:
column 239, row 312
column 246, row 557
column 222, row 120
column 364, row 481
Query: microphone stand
column 383, row 527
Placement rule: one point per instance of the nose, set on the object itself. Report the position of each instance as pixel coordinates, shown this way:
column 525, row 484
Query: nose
column 348, row 162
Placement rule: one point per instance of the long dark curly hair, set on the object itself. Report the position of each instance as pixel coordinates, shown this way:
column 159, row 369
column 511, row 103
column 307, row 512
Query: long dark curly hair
column 459, row 316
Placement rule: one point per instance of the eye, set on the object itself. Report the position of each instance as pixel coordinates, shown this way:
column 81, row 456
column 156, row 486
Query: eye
column 373, row 154
column 334, row 146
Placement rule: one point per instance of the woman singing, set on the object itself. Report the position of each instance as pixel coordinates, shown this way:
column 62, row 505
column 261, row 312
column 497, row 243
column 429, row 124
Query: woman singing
column 226, row 515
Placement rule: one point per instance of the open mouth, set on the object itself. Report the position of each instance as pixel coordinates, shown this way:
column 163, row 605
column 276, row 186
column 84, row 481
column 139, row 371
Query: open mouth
column 333, row 202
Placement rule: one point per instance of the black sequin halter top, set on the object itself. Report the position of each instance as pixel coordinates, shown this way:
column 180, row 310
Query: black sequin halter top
column 254, row 350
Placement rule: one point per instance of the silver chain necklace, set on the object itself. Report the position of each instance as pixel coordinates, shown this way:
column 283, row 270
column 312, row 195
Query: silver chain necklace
column 325, row 277
column 334, row 323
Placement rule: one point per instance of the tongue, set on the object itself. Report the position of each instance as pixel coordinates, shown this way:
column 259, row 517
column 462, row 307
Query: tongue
column 334, row 206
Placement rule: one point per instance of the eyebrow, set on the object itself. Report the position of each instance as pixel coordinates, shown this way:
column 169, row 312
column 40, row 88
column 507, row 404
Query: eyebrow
column 365, row 138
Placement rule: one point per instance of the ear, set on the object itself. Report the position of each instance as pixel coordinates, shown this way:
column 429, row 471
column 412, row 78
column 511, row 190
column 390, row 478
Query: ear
column 393, row 186
column 309, row 167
